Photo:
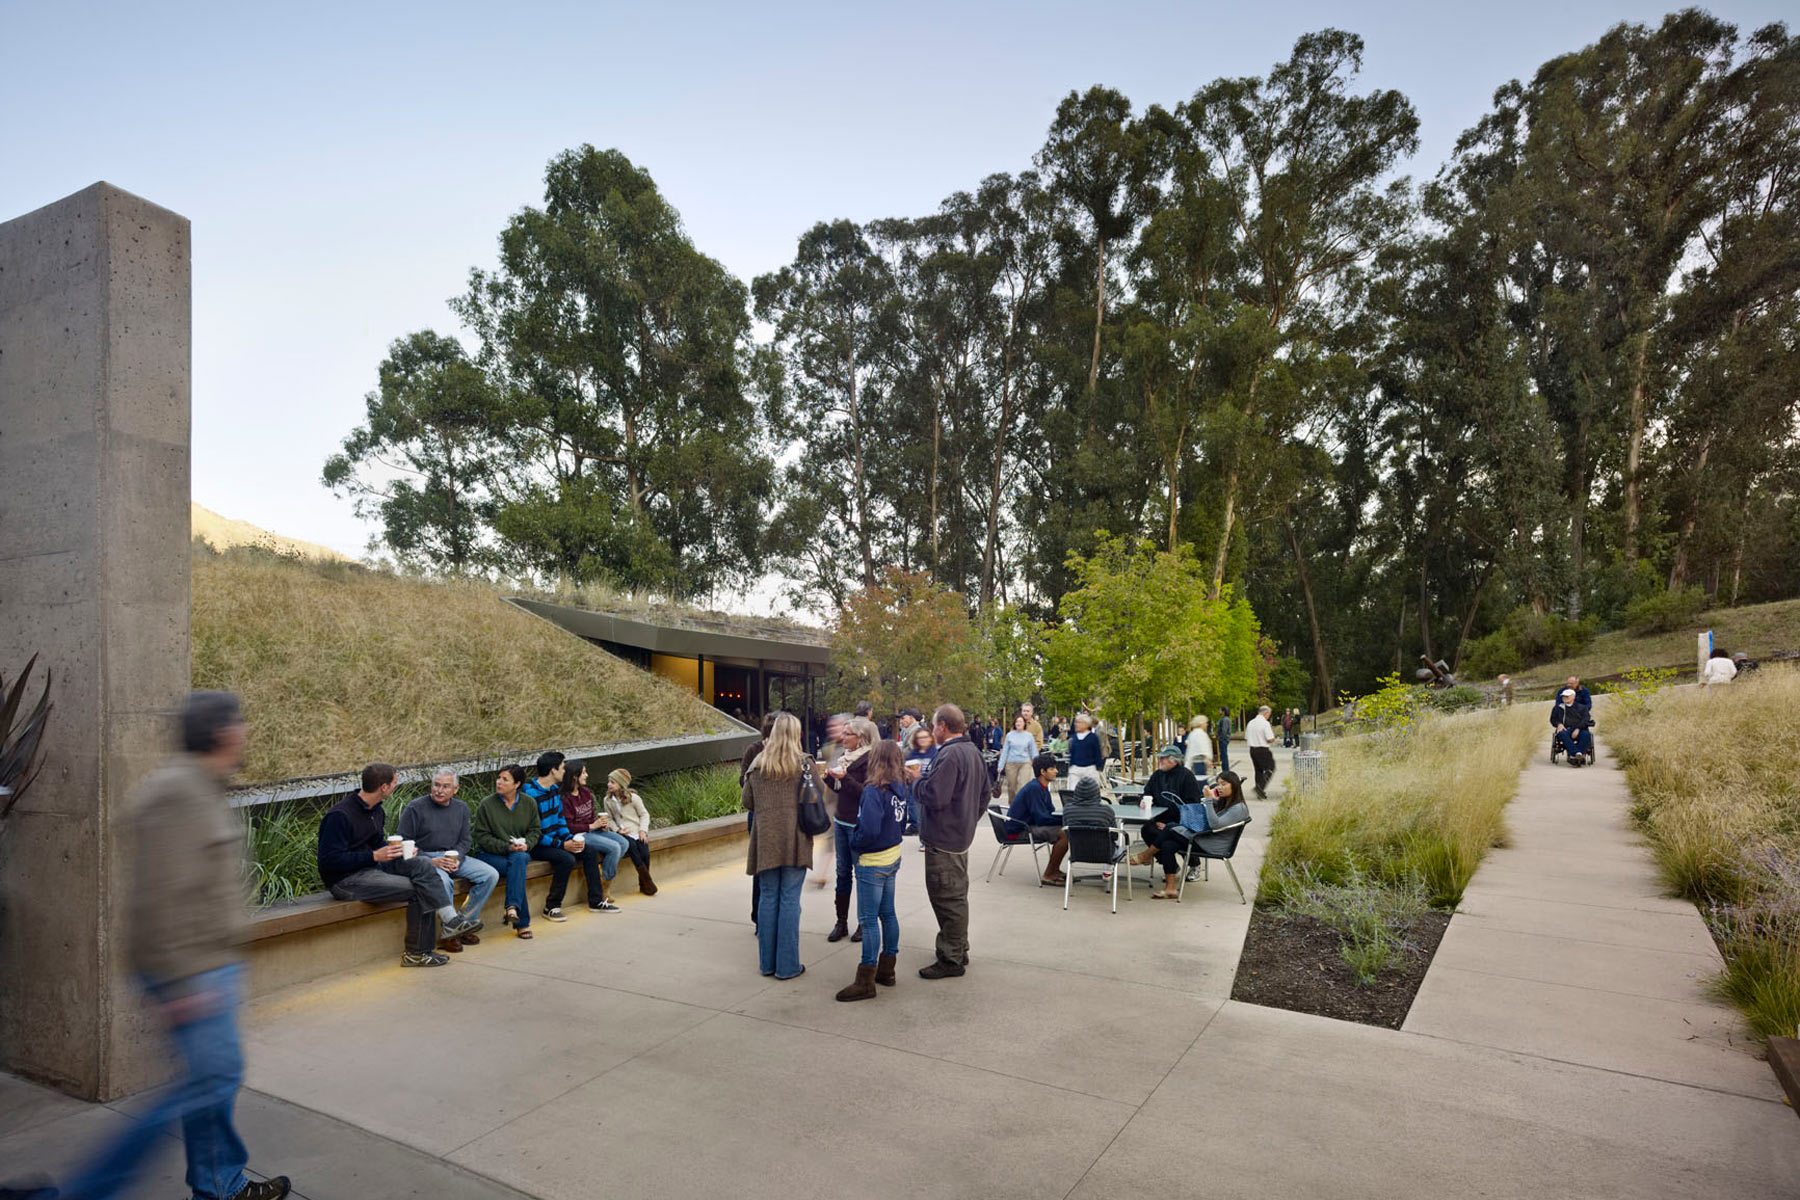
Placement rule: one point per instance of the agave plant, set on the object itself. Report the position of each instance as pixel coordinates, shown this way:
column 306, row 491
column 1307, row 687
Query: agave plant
column 21, row 734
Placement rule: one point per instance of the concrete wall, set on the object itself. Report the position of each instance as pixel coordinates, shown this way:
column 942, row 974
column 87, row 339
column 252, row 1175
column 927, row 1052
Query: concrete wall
column 94, row 413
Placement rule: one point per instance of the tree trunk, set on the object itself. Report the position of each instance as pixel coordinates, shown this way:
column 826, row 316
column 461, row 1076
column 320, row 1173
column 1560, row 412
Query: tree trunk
column 1580, row 484
column 1678, row 570
column 1462, row 638
column 993, row 514
column 1099, row 314
column 1737, row 549
column 1425, row 647
column 1634, row 449
column 1174, row 469
column 937, row 444
column 1400, row 639
column 1218, row 579
column 1323, row 678
column 862, row 490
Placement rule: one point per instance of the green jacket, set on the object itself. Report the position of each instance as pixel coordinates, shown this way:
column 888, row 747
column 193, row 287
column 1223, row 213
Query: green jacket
column 494, row 825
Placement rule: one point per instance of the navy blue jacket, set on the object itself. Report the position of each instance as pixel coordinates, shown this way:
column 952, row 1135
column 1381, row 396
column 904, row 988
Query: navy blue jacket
column 1086, row 751
column 1031, row 806
column 879, row 818
column 349, row 835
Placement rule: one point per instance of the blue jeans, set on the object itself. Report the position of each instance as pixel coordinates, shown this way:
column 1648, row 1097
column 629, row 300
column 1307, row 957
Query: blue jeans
column 1577, row 741
column 875, row 909
column 512, row 866
column 778, row 922
column 203, row 1098
column 612, row 845
column 481, row 878
column 846, row 861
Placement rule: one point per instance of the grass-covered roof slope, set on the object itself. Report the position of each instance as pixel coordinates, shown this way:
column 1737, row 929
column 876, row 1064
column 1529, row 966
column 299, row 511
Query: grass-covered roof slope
column 339, row 665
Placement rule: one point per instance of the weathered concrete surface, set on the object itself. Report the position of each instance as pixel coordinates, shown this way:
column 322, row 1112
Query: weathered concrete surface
column 1568, row 947
column 54, row 1135
column 94, row 383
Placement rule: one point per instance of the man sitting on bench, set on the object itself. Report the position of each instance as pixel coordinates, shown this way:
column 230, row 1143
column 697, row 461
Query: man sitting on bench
column 438, row 827
column 357, row 862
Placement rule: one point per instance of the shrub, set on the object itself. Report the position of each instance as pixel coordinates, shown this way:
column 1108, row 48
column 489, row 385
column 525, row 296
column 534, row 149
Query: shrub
column 1492, row 655
column 1371, row 919
column 1453, row 698
column 1639, row 688
column 1665, row 612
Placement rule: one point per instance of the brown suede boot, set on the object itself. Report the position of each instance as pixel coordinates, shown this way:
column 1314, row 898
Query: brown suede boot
column 646, row 885
column 884, row 970
column 841, row 930
column 864, row 987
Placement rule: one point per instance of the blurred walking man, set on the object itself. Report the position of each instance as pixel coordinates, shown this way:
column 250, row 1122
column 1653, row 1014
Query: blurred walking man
column 1259, row 735
column 187, row 918
column 952, row 798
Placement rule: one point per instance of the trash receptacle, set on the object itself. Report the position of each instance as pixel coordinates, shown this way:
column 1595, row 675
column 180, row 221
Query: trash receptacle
column 1309, row 768
column 1311, row 741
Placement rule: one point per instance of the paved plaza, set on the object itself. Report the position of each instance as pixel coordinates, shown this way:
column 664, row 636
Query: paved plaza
column 1562, row 1045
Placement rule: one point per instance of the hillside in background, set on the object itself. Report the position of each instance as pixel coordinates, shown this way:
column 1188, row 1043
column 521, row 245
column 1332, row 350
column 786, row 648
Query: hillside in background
column 223, row 533
column 1756, row 629
column 339, row 665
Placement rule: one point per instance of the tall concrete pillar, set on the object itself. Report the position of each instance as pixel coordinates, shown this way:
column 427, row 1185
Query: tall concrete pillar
column 94, row 527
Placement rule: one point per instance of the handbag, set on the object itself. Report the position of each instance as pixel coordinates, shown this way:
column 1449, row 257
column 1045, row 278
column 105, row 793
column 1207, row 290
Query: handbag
column 810, row 813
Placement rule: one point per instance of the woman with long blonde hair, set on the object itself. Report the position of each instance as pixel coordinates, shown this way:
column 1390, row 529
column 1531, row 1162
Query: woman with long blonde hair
column 780, row 854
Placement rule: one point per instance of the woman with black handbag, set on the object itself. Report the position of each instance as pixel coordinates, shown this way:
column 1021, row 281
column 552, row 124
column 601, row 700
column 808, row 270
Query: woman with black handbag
column 780, row 848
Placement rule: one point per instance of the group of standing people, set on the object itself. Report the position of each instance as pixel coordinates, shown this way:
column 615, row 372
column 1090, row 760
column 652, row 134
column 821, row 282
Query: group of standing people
column 875, row 789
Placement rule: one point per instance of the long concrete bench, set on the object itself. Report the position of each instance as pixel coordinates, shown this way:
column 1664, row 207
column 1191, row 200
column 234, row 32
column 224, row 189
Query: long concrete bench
column 318, row 934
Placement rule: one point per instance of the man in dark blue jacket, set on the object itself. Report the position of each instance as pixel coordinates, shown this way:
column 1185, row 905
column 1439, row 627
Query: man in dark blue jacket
column 1033, row 815
column 357, row 862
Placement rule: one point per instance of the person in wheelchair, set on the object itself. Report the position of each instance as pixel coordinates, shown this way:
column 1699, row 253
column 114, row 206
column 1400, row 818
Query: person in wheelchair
column 1573, row 723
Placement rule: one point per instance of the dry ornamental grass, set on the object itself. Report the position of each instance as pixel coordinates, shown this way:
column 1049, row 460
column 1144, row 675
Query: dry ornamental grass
column 339, row 665
column 1715, row 782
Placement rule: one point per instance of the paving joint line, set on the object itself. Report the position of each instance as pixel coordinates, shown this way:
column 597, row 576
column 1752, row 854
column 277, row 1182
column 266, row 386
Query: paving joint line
column 1579, row 987
column 1120, row 1131
column 1582, row 1066
column 1655, row 912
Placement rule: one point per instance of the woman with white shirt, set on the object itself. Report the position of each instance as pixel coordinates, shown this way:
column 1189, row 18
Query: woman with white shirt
column 1199, row 747
column 631, row 820
column 1719, row 669
column 1016, row 753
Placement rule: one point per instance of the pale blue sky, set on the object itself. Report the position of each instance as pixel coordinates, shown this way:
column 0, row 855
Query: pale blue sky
column 345, row 165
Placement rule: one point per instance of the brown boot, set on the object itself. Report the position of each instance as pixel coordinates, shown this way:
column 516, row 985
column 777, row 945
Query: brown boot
column 884, row 970
column 864, row 987
column 841, row 930
column 646, row 885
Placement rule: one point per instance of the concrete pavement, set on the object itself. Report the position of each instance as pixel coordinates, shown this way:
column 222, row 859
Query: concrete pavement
column 1084, row 1054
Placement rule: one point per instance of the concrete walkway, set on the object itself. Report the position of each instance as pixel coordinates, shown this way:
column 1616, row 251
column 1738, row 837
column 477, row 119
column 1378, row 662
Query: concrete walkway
column 1085, row 1054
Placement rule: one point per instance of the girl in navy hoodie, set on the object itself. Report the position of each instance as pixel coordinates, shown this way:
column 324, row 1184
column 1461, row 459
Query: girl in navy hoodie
column 880, row 818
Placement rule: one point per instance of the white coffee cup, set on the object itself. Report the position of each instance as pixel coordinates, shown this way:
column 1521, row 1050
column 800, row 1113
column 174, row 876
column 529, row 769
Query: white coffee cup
column 452, row 855
column 580, row 841
column 408, row 848
column 518, row 843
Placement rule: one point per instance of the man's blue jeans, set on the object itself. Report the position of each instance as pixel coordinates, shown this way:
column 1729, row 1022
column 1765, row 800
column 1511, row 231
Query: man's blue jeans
column 778, row 922
column 846, row 861
column 481, row 878
column 875, row 909
column 203, row 1099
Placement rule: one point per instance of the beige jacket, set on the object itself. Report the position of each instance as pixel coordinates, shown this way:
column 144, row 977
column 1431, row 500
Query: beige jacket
column 188, row 911
column 630, row 818
column 775, row 837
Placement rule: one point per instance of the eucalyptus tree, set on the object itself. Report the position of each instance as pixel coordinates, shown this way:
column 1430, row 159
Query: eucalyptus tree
column 833, row 313
column 1307, row 170
column 632, row 350
column 422, row 463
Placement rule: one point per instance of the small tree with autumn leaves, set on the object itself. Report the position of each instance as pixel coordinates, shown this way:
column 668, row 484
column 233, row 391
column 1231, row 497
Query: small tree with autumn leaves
column 1141, row 635
column 905, row 642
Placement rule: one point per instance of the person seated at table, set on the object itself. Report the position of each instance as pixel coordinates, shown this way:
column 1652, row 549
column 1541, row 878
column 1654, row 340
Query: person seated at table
column 1169, row 787
column 1084, row 807
column 1033, row 815
column 1225, row 808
